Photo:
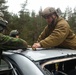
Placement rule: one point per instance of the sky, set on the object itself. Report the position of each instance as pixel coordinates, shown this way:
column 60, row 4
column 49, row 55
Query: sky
column 35, row 5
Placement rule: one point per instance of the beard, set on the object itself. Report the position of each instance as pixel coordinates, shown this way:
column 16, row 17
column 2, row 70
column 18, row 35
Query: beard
column 51, row 23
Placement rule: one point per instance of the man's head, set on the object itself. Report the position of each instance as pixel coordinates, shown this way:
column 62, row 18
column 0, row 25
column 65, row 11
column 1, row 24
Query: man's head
column 3, row 23
column 14, row 33
column 49, row 14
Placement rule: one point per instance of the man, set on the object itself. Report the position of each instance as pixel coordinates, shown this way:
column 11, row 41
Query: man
column 57, row 33
column 14, row 33
column 7, row 42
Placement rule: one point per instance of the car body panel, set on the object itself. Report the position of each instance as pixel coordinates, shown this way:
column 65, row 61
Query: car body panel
column 33, row 62
column 22, row 64
column 46, row 54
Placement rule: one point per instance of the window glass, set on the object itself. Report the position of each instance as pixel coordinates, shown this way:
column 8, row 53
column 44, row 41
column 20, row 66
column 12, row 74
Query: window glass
column 5, row 69
column 3, row 65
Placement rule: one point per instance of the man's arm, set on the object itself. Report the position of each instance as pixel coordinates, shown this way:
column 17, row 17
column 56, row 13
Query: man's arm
column 58, row 35
column 7, row 42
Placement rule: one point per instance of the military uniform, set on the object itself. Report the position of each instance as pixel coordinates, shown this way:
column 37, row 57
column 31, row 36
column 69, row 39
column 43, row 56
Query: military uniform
column 58, row 34
column 7, row 42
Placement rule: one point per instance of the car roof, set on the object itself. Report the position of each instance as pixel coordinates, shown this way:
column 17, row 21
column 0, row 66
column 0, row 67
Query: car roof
column 41, row 54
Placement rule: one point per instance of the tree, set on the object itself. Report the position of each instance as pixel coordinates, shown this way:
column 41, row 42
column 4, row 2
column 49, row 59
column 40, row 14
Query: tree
column 3, row 7
column 68, row 13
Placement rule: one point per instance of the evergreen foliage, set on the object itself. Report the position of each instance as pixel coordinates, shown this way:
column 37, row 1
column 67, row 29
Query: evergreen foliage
column 29, row 24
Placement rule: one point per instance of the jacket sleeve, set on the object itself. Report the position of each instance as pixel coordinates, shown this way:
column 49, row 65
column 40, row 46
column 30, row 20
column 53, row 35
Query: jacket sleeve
column 58, row 35
column 7, row 42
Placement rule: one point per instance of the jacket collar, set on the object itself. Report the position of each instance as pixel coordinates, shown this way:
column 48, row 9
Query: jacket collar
column 53, row 24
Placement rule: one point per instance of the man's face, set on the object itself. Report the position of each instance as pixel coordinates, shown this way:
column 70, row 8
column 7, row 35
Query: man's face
column 17, row 36
column 49, row 19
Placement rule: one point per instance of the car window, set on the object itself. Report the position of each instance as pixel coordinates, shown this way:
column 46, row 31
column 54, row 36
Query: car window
column 5, row 69
column 60, row 68
column 3, row 64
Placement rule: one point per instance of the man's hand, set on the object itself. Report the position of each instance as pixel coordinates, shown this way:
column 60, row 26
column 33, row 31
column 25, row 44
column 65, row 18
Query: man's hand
column 36, row 45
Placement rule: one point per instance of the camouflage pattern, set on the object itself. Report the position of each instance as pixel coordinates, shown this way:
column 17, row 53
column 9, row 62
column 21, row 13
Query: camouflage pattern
column 7, row 42
column 58, row 34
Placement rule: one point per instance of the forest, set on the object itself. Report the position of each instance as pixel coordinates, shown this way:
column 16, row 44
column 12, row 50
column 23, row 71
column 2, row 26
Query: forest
column 30, row 25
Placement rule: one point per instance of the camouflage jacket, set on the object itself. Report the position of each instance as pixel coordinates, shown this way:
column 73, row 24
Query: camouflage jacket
column 58, row 34
column 7, row 42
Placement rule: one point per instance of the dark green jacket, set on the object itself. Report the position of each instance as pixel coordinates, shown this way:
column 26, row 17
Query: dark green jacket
column 58, row 34
column 7, row 42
